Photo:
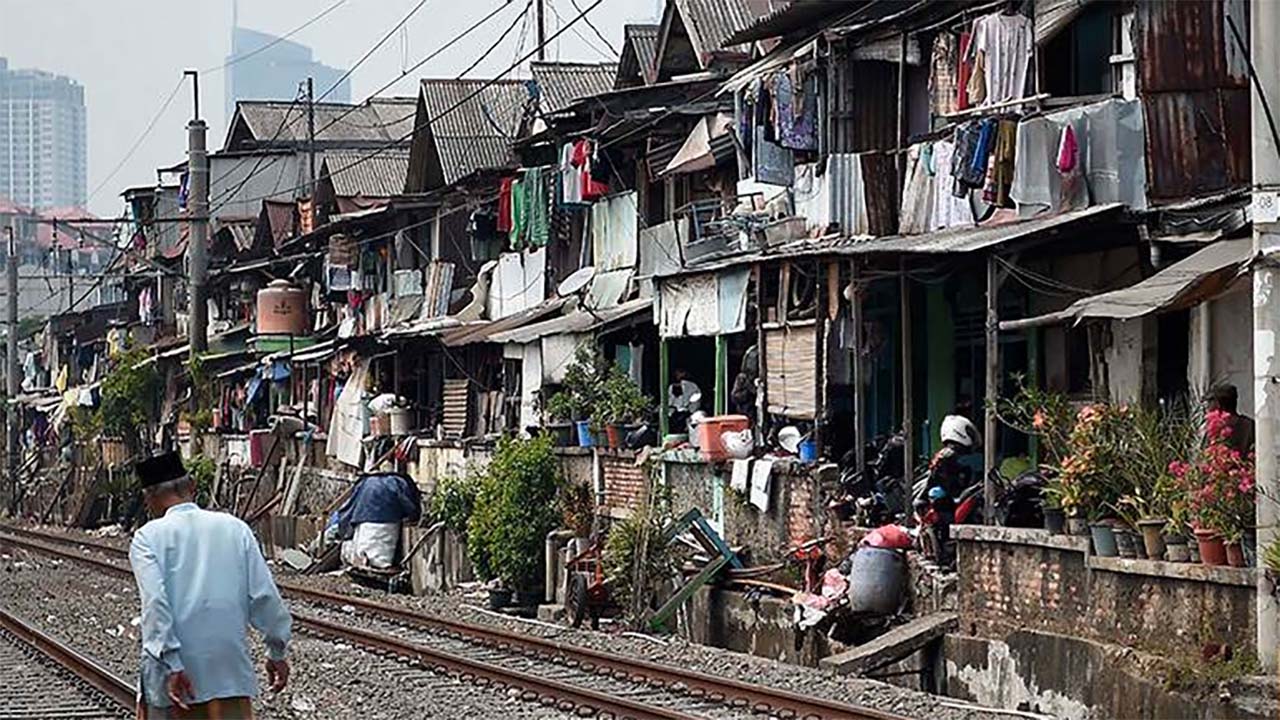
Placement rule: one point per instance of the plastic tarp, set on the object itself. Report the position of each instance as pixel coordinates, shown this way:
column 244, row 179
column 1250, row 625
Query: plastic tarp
column 350, row 415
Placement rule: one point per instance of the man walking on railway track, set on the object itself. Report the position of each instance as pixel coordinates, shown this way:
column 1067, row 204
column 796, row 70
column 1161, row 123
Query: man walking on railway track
column 202, row 581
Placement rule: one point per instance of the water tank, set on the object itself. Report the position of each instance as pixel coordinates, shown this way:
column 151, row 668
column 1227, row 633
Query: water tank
column 877, row 581
column 282, row 309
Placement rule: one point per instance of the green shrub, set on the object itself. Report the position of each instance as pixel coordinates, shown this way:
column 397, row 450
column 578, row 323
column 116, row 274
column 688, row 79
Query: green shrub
column 454, row 499
column 514, row 510
column 202, row 469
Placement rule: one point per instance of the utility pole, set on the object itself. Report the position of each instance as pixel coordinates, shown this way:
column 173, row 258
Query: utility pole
column 311, row 137
column 1265, row 55
column 541, row 15
column 198, row 212
column 12, row 386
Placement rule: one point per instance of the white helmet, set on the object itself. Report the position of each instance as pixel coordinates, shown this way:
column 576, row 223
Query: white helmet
column 958, row 429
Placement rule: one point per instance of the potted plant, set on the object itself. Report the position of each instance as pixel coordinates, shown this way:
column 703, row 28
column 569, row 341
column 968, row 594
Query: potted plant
column 558, row 413
column 583, row 389
column 1219, row 487
column 622, row 405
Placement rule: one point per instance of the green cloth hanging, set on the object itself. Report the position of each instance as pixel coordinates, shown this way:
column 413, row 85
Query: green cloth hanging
column 518, row 211
column 538, row 206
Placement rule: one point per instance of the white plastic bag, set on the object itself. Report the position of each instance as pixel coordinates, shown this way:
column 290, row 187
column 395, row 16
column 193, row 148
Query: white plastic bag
column 372, row 545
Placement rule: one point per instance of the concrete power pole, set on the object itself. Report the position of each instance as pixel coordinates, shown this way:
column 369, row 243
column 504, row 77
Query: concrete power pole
column 1265, row 54
column 311, row 140
column 541, row 17
column 198, row 241
column 12, row 386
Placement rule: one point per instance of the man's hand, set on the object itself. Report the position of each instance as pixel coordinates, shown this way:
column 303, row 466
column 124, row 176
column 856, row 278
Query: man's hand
column 278, row 674
column 180, row 690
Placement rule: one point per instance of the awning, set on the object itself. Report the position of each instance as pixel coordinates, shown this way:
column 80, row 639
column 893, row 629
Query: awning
column 708, row 143
column 579, row 321
column 1182, row 284
column 949, row 241
column 483, row 332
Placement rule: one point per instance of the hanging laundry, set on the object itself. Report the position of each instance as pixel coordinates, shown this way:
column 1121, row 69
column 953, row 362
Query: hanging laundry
column 943, row 73
column 1003, row 44
column 796, row 112
column 584, row 161
column 915, row 216
column 973, row 150
column 963, row 72
column 518, row 214
column 948, row 210
column 1002, row 167
column 537, row 205
column 504, row 205
column 570, row 178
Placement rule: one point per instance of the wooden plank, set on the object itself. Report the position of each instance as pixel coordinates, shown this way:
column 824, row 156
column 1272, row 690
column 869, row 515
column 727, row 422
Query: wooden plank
column 893, row 646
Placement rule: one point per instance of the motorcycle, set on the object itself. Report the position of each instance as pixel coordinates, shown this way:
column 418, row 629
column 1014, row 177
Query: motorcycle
column 1018, row 504
column 874, row 496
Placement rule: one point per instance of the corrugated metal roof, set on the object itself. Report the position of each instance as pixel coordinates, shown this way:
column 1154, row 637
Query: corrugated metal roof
column 571, row 323
column 639, row 55
column 711, row 22
column 483, row 332
column 359, row 173
column 286, row 122
column 1182, row 283
column 473, row 124
column 560, row 83
column 798, row 15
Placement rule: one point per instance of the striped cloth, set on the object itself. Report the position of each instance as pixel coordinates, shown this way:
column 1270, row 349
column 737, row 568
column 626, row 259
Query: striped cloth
column 239, row 708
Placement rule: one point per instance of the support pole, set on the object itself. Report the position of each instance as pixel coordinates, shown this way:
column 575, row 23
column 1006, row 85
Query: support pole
column 762, row 362
column 12, row 386
column 311, row 141
column 722, row 375
column 198, row 242
column 992, row 360
column 1265, row 53
column 859, row 386
column 908, row 389
column 664, row 390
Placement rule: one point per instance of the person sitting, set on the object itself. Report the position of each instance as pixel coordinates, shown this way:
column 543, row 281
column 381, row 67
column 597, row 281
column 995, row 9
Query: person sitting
column 1225, row 398
column 684, row 397
column 946, row 468
column 370, row 520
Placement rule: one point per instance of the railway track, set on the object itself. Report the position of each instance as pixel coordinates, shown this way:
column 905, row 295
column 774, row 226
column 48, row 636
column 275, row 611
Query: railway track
column 43, row 678
column 557, row 674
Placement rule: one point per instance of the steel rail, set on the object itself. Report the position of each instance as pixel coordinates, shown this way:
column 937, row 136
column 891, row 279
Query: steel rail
column 90, row 671
column 762, row 699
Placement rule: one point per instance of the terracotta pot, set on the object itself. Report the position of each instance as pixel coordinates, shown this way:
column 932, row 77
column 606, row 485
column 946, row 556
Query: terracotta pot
column 1235, row 554
column 1212, row 550
column 1152, row 540
column 613, row 436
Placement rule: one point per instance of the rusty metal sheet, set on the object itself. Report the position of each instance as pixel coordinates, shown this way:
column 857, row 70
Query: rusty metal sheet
column 863, row 105
column 1188, row 46
column 1197, row 142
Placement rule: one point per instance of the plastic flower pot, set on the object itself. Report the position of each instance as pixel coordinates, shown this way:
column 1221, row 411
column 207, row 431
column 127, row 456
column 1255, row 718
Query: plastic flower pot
column 1152, row 538
column 499, row 598
column 1055, row 521
column 585, row 438
column 1210, row 547
column 1127, row 543
column 563, row 434
column 1177, row 552
column 1235, row 554
column 1104, row 540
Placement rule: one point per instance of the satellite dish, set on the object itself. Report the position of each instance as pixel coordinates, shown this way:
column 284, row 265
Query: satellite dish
column 577, row 281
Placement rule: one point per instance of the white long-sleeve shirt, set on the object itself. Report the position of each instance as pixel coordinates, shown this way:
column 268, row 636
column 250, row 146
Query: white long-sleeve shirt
column 203, row 582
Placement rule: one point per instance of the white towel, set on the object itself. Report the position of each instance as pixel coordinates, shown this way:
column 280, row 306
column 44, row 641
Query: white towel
column 761, row 476
column 738, row 477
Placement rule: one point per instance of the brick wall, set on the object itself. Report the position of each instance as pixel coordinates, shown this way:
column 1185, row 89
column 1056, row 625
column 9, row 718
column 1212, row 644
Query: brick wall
column 803, row 515
column 1028, row 580
column 624, row 483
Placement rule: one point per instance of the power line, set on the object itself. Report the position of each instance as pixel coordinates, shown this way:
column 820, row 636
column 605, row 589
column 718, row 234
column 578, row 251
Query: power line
column 488, row 51
column 373, row 49
column 611, row 54
column 594, row 29
column 376, row 152
column 275, row 41
column 137, row 143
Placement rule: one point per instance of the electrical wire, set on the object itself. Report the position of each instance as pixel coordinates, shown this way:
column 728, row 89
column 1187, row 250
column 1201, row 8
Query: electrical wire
column 275, row 41
column 585, row 40
column 373, row 49
column 137, row 143
column 397, row 142
column 488, row 51
column 604, row 39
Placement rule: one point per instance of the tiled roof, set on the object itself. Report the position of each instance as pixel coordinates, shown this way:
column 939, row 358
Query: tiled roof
column 370, row 175
column 561, row 83
column 473, row 124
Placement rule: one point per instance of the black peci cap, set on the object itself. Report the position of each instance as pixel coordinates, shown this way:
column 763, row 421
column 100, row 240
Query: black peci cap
column 160, row 469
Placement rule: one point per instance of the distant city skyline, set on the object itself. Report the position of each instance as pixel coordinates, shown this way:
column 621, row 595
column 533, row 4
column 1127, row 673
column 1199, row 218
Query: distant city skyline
column 272, row 68
column 43, row 153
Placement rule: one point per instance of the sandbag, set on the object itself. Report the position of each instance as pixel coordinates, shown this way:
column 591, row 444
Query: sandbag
column 372, row 545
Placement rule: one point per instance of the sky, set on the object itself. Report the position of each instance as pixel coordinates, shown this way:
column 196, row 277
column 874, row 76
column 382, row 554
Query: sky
column 129, row 56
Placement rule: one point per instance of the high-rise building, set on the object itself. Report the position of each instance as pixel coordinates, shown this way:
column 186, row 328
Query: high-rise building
column 42, row 139
column 274, row 70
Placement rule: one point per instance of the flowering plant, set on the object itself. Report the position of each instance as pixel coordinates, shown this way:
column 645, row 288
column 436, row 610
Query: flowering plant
column 1088, row 481
column 1218, row 486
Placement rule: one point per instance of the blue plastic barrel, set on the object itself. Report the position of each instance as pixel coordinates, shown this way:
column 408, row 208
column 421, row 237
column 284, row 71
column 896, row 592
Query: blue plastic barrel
column 877, row 581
